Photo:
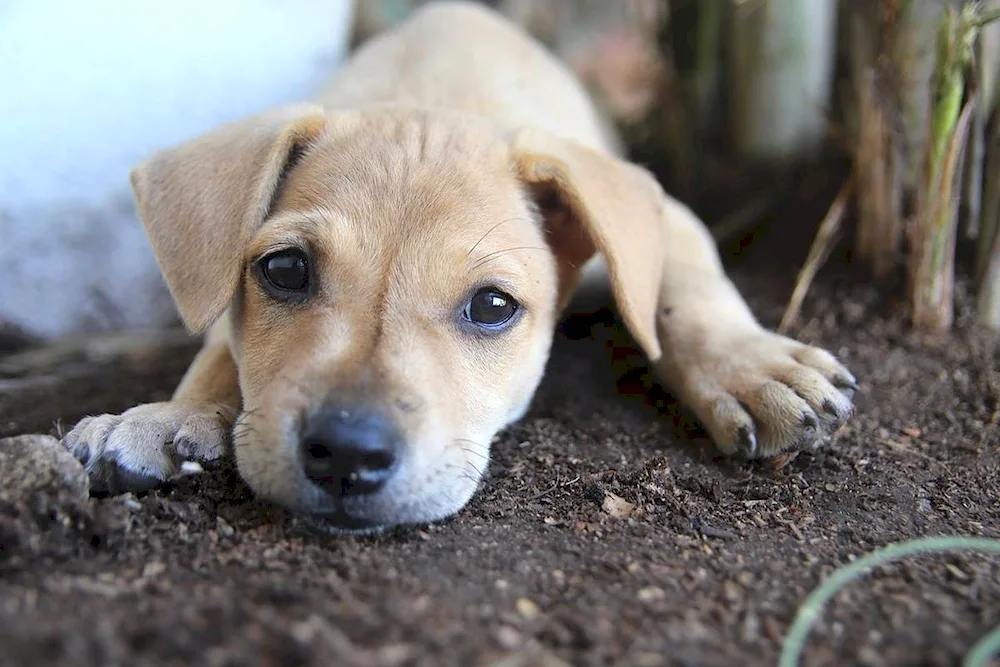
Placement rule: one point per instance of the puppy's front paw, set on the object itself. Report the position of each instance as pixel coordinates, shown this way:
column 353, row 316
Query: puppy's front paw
column 759, row 394
column 142, row 447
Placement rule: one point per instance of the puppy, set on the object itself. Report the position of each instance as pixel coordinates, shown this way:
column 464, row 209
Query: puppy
column 380, row 275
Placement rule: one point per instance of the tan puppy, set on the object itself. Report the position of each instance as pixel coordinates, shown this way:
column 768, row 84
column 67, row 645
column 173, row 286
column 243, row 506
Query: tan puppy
column 382, row 274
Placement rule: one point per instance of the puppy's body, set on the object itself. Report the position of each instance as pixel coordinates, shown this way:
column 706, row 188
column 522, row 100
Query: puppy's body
column 433, row 216
column 457, row 57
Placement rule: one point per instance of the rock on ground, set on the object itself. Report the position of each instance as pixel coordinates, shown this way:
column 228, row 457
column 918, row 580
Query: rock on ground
column 44, row 500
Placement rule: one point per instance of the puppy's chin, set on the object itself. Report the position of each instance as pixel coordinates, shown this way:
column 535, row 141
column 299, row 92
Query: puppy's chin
column 359, row 517
column 340, row 523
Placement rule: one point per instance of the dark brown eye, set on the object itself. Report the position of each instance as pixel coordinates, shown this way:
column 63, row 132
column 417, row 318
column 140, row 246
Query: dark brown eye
column 490, row 308
column 284, row 273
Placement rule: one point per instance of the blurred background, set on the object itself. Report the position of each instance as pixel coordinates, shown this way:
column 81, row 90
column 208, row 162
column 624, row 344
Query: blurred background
column 861, row 132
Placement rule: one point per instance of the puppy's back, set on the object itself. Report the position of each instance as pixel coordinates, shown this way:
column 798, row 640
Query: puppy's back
column 461, row 56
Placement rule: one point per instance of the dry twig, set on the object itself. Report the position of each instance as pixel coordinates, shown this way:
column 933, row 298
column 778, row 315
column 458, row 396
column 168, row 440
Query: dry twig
column 819, row 251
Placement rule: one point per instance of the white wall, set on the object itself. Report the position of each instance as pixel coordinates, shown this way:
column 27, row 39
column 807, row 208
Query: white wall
column 90, row 87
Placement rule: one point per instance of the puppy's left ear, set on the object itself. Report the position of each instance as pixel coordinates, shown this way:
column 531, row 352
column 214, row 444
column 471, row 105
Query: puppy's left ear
column 595, row 203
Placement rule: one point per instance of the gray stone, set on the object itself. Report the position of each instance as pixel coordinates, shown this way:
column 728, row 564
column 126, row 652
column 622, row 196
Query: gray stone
column 39, row 464
column 45, row 509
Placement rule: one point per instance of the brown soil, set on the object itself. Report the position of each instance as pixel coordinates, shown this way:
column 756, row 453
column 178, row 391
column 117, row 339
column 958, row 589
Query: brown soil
column 542, row 568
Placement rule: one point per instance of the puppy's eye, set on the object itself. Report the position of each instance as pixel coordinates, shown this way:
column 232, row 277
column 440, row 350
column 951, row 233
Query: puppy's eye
column 284, row 273
column 490, row 308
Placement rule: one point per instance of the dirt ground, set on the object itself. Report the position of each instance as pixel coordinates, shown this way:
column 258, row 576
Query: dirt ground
column 705, row 562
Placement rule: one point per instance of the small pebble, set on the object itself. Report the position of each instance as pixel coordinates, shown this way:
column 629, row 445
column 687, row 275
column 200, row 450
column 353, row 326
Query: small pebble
column 527, row 608
column 508, row 638
column 651, row 594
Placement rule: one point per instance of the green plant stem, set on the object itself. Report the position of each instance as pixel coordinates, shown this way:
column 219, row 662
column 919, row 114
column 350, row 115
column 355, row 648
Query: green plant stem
column 933, row 243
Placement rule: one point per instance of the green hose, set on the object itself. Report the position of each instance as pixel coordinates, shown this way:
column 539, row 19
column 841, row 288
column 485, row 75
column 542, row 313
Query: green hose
column 810, row 610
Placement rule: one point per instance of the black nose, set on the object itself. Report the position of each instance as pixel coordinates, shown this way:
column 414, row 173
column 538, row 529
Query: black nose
column 349, row 451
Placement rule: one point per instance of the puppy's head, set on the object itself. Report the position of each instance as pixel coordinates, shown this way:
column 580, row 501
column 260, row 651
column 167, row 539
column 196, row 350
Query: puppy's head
column 392, row 280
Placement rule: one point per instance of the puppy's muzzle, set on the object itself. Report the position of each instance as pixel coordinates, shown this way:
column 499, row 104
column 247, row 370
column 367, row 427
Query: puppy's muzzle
column 350, row 451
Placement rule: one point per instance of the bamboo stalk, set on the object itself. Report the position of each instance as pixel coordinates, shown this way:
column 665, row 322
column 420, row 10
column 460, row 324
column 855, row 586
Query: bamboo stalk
column 984, row 229
column 972, row 196
column 989, row 290
column 987, row 263
column 880, row 187
column 910, row 43
column 987, row 63
column 932, row 251
column 781, row 68
column 989, row 222
column 935, row 224
column 891, row 54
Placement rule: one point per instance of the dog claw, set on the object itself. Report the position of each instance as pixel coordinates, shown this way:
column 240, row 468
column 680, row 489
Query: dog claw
column 747, row 441
column 810, row 430
column 845, row 382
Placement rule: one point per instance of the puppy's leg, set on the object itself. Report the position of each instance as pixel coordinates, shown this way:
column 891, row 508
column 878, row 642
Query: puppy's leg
column 756, row 392
column 144, row 446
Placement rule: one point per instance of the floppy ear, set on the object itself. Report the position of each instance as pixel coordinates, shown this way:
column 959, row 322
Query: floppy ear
column 202, row 201
column 595, row 203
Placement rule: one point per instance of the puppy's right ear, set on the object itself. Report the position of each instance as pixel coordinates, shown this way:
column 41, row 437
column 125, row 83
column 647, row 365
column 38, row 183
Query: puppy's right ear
column 202, row 201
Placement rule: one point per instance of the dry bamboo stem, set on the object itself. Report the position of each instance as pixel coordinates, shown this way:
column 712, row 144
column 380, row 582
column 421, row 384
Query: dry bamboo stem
column 880, row 190
column 892, row 60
